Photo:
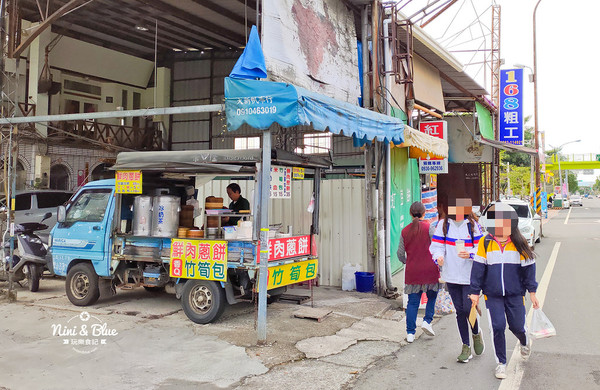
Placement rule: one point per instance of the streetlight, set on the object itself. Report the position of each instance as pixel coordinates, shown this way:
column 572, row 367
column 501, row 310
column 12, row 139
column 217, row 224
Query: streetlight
column 531, row 76
column 558, row 150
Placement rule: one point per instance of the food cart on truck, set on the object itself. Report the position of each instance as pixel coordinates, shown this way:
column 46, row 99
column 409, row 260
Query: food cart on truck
column 125, row 232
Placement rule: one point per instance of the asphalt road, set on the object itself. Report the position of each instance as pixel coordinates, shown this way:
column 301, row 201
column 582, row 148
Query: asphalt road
column 569, row 360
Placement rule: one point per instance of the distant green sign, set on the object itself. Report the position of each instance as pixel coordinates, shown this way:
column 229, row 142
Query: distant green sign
column 598, row 157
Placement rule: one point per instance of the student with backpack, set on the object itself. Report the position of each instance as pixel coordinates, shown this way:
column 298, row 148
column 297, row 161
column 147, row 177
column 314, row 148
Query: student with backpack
column 453, row 248
column 421, row 274
column 504, row 267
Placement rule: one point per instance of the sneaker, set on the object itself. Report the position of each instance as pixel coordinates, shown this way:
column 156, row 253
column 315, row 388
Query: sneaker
column 410, row 337
column 465, row 355
column 478, row 344
column 501, row 371
column 526, row 349
column 427, row 328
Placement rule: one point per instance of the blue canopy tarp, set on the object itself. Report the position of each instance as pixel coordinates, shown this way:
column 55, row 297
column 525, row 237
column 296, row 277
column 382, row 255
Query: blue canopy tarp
column 260, row 104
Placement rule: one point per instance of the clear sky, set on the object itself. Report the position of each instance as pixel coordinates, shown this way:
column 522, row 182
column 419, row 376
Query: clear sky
column 567, row 67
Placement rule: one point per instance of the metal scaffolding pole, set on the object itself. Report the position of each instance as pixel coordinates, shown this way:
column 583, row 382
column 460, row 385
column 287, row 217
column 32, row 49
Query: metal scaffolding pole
column 113, row 114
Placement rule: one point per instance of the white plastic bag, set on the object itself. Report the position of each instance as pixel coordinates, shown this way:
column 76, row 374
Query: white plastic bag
column 541, row 326
column 348, row 278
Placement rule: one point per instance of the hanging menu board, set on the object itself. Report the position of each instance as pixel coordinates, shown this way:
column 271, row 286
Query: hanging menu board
column 281, row 182
column 128, row 182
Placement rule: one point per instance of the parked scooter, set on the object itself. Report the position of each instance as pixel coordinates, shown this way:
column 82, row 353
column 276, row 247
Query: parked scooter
column 29, row 261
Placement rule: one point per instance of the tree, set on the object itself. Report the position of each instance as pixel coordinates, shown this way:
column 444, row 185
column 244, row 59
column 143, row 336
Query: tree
column 518, row 159
column 573, row 185
column 520, row 180
column 596, row 186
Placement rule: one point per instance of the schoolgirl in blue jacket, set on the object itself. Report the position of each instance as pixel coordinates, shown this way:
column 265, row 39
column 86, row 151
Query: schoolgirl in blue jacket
column 504, row 269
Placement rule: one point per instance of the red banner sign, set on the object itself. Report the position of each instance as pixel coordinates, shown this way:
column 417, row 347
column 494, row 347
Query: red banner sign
column 288, row 247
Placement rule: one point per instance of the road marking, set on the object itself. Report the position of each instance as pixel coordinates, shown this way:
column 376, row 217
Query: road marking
column 568, row 215
column 515, row 368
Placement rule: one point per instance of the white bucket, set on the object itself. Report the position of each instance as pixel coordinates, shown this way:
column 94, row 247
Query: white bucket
column 229, row 232
column 244, row 230
column 348, row 278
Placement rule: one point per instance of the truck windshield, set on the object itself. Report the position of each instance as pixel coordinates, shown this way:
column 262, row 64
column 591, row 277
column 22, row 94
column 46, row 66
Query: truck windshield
column 89, row 206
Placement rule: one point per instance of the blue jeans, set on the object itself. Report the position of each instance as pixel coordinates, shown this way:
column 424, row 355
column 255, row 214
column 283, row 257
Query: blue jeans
column 414, row 300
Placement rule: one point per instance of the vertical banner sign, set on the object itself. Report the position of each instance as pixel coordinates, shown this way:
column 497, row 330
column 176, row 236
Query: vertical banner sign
column 437, row 129
column 511, row 106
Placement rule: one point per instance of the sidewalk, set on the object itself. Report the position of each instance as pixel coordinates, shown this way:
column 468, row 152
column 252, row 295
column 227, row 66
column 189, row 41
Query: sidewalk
column 551, row 214
column 360, row 329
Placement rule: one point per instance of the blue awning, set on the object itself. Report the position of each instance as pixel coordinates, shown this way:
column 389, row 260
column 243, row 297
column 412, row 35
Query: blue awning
column 260, row 104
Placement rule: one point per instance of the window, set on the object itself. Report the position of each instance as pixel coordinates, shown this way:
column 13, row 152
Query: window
column 522, row 210
column 22, row 202
column 52, row 199
column 319, row 143
column 72, row 85
column 90, row 206
column 247, row 143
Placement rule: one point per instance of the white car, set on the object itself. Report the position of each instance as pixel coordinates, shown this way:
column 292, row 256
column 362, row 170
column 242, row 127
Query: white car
column 31, row 205
column 576, row 200
column 529, row 223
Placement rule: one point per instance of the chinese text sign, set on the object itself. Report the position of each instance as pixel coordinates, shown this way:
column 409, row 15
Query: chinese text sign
column 284, row 275
column 128, row 182
column 437, row 129
column 194, row 259
column 288, row 247
column 511, row 106
column 281, row 182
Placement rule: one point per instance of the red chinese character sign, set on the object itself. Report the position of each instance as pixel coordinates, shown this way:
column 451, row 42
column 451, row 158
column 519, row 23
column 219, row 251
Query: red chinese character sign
column 437, row 129
column 193, row 259
column 288, row 247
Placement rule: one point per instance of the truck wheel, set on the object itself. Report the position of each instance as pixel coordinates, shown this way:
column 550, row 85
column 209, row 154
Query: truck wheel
column 33, row 276
column 82, row 285
column 203, row 301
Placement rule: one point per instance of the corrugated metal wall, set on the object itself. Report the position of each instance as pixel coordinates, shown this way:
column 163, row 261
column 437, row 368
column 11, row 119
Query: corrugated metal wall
column 199, row 79
column 342, row 215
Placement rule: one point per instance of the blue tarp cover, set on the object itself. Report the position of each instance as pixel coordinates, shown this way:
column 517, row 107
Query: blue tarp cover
column 251, row 64
column 260, row 104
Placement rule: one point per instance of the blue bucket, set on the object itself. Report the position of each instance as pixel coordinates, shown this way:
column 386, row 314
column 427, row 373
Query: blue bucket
column 365, row 281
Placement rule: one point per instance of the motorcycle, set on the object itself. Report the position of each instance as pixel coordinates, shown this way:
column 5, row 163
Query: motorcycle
column 30, row 262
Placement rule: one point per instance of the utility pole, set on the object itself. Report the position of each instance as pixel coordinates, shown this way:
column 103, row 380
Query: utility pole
column 535, row 108
column 508, row 189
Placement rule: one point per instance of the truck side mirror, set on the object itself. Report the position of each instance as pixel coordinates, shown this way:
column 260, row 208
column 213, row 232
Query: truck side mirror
column 61, row 214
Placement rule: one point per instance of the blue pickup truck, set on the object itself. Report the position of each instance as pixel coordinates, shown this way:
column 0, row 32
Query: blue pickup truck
column 96, row 245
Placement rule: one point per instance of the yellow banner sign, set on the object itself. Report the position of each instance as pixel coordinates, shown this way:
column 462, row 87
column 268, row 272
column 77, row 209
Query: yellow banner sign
column 292, row 273
column 298, row 173
column 196, row 259
column 128, row 182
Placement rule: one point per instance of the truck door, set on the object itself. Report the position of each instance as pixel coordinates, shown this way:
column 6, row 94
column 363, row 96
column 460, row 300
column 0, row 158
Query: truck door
column 85, row 234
